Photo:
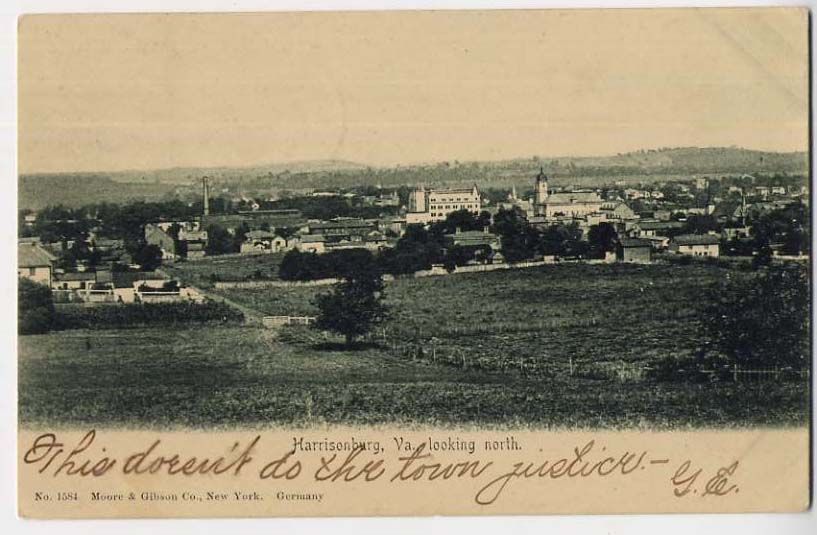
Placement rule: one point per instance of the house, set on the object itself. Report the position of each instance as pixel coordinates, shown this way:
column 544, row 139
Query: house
column 154, row 235
column 729, row 211
column 35, row 263
column 659, row 243
column 733, row 232
column 473, row 238
column 195, row 250
column 646, row 229
column 617, row 211
column 634, row 250
column 396, row 225
column 74, row 281
column 696, row 245
column 255, row 219
column 195, row 241
column 87, row 286
column 262, row 241
column 348, row 229
column 311, row 243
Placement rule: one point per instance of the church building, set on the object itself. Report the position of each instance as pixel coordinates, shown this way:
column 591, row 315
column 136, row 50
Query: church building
column 575, row 204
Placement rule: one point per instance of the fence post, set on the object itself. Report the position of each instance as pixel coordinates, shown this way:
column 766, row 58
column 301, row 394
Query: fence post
column 571, row 366
column 735, row 373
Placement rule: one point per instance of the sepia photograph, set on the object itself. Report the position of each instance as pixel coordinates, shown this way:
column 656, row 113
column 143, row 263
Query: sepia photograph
column 532, row 221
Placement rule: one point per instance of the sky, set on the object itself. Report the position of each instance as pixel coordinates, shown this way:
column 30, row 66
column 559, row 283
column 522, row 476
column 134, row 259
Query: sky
column 120, row 92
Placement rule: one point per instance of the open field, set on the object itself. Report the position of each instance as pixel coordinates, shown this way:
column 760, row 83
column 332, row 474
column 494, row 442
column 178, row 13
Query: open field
column 240, row 376
column 205, row 271
column 536, row 347
column 539, row 318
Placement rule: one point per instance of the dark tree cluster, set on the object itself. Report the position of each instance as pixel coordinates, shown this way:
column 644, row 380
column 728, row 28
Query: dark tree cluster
column 325, row 208
column 35, row 307
column 301, row 266
column 761, row 323
column 788, row 229
column 522, row 241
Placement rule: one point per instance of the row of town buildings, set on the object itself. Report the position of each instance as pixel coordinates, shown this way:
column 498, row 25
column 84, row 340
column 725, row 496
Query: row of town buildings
column 100, row 286
column 272, row 231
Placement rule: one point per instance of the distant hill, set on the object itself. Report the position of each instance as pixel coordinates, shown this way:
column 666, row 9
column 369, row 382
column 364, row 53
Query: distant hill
column 38, row 191
column 186, row 175
column 682, row 160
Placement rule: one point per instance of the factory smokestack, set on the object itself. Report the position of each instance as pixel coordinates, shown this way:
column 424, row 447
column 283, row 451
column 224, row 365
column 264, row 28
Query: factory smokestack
column 206, row 193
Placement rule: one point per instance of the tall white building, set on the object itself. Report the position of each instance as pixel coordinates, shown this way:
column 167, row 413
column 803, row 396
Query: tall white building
column 428, row 206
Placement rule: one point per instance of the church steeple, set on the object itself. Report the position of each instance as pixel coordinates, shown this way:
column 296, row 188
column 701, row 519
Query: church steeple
column 540, row 191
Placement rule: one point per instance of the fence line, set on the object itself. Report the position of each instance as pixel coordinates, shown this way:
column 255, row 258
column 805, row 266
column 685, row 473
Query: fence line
column 619, row 370
column 223, row 285
column 278, row 321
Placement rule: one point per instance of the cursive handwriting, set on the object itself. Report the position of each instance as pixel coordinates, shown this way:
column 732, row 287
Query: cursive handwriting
column 86, row 458
column 576, row 466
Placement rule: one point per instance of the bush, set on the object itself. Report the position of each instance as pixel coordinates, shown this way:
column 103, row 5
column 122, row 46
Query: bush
column 140, row 315
column 35, row 307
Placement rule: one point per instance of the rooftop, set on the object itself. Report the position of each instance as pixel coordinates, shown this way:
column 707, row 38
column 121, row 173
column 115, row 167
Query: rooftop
column 696, row 239
column 634, row 242
column 32, row 255
column 83, row 276
column 573, row 197
column 313, row 238
column 660, row 225
column 346, row 223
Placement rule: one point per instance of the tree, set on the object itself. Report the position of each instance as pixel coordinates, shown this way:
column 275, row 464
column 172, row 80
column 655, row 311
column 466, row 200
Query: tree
column 761, row 322
column 462, row 220
column 219, row 241
column 355, row 306
column 603, row 238
column 149, row 257
column 416, row 250
column 239, row 236
column 519, row 240
column 35, row 307
column 179, row 245
column 701, row 224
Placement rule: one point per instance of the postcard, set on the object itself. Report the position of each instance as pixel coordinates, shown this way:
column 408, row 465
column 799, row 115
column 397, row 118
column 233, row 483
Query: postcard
column 414, row 263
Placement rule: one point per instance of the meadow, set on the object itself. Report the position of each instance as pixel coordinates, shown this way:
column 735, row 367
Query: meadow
column 205, row 271
column 540, row 347
column 235, row 377
column 541, row 319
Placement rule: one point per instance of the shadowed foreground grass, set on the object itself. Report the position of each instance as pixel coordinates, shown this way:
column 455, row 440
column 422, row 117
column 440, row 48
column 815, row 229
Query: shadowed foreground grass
column 240, row 376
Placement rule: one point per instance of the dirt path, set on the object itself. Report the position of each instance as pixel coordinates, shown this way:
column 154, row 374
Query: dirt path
column 251, row 316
